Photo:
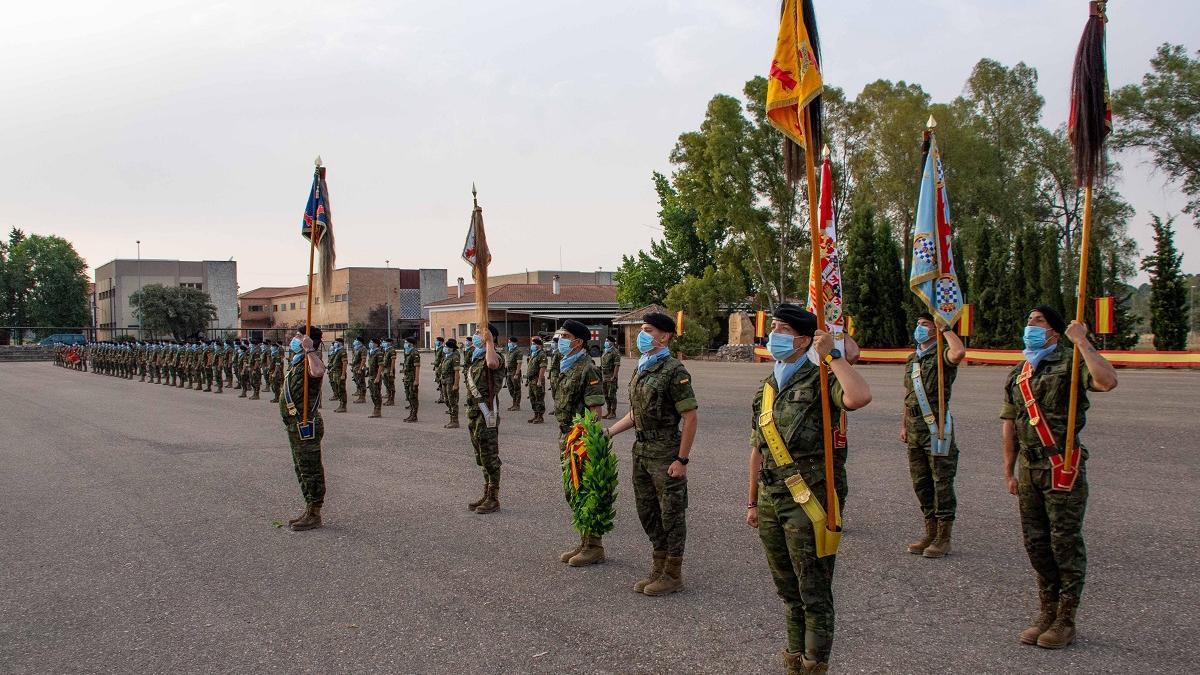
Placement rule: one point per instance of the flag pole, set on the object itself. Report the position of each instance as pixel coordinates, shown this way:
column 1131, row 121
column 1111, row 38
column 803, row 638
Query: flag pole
column 1080, row 298
column 480, row 270
column 312, row 253
column 929, row 127
column 810, row 169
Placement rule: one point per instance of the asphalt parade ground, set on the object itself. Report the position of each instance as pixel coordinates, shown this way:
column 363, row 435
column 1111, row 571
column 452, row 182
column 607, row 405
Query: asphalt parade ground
column 139, row 532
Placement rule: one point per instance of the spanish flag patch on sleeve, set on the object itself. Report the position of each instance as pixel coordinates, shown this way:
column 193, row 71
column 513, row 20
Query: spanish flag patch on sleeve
column 594, row 382
column 685, row 380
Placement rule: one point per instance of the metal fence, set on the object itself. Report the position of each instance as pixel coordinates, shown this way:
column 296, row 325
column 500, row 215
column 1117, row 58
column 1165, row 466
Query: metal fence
column 35, row 335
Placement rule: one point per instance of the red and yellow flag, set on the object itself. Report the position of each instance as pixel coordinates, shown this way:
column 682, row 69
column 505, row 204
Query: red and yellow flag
column 795, row 75
column 966, row 321
column 1106, row 319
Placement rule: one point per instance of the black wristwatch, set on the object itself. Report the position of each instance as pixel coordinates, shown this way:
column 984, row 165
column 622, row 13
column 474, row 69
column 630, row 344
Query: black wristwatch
column 681, row 460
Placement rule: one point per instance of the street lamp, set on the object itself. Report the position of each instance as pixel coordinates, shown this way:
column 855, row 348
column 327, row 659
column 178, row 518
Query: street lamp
column 139, row 265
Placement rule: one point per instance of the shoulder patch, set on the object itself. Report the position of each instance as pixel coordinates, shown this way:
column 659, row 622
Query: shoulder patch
column 685, row 380
column 596, row 381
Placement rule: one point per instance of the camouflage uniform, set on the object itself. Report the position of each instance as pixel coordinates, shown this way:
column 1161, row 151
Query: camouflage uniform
column 610, row 364
column 375, row 361
column 802, row 580
column 412, row 362
column 389, row 373
column 932, row 476
column 306, row 454
column 336, row 368
column 577, row 389
column 553, row 361
column 537, row 390
column 484, row 439
column 439, row 355
column 358, row 368
column 658, row 396
column 449, row 365
column 1051, row 521
column 512, row 367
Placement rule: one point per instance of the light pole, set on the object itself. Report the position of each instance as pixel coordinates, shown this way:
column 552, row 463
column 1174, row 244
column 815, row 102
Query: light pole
column 388, row 264
column 139, row 254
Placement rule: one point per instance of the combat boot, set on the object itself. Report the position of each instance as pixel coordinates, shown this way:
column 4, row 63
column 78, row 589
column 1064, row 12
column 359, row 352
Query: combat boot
column 208, row 387
column 592, row 553
column 293, row 521
column 310, row 520
column 254, row 396
column 531, row 419
column 376, row 412
column 491, row 500
column 514, row 407
column 341, row 407
column 539, row 419
column 412, row 417
column 243, row 394
column 813, row 667
column 471, row 506
column 1062, row 631
column 941, row 543
column 918, row 547
column 670, row 581
column 794, row 662
column 391, row 400
column 1046, row 616
column 656, row 569
column 452, row 424
column 275, row 399
column 220, row 387
column 360, row 398
column 567, row 555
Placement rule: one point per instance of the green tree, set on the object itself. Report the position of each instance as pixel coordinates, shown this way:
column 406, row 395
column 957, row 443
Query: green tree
column 645, row 277
column 1168, row 295
column 703, row 299
column 170, row 310
column 872, row 287
column 45, row 282
column 1162, row 116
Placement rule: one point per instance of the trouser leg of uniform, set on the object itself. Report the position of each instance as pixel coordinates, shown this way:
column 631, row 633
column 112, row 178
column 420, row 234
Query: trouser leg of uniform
column 389, row 384
column 411, row 395
column 537, row 398
column 610, row 395
column 452, row 403
column 803, row 580
column 306, row 458
column 488, row 446
column 514, row 388
column 376, row 386
column 661, row 504
column 1052, row 529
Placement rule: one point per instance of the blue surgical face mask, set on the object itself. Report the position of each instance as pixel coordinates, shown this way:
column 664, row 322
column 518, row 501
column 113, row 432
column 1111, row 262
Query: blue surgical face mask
column 921, row 334
column 533, row 349
column 407, row 348
column 1035, row 337
column 781, row 345
column 564, row 347
column 645, row 342
column 608, row 346
column 477, row 341
column 357, row 344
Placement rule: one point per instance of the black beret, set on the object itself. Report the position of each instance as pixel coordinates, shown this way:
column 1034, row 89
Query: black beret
column 411, row 341
column 536, row 340
column 611, row 338
column 577, row 329
column 452, row 343
column 512, row 338
column 494, row 331
column 339, row 340
column 800, row 319
column 440, row 339
column 375, row 340
column 1052, row 317
column 927, row 316
column 660, row 321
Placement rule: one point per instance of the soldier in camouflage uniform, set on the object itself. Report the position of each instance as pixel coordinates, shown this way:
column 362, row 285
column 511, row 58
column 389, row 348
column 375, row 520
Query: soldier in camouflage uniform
column 1051, row 520
column 389, row 370
column 358, row 368
column 449, row 377
column 535, row 380
column 660, row 398
column 218, row 365
column 932, row 475
column 412, row 377
column 275, row 370
column 483, row 380
column 375, row 360
column 610, row 369
column 577, row 390
column 803, row 580
column 336, row 367
column 439, row 355
column 512, row 372
column 305, row 441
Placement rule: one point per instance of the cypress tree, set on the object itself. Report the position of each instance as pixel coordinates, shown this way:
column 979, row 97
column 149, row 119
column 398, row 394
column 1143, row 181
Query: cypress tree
column 892, row 288
column 1168, row 295
column 1051, row 271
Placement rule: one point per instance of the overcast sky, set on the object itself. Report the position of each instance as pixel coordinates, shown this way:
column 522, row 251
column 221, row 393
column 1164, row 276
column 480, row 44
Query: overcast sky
column 193, row 125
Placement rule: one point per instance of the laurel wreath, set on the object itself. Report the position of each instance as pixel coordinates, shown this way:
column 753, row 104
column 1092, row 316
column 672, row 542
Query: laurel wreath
column 590, row 476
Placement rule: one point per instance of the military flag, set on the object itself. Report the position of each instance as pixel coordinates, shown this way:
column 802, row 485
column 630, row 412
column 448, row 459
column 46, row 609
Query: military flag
column 825, row 280
column 317, row 227
column 933, row 278
column 794, row 84
column 966, row 321
column 1105, row 316
column 479, row 256
column 1088, row 124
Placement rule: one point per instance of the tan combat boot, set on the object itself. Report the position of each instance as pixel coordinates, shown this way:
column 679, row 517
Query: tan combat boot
column 491, row 500
column 376, row 413
column 391, row 400
column 452, row 424
column 941, row 543
column 243, row 394
column 254, row 396
column 567, row 555
column 670, row 581
column 341, row 407
column 293, row 521
column 918, row 547
column 471, row 506
column 1046, row 616
column 656, row 568
column 1062, row 631
column 814, row 667
column 592, row 553
column 310, row 520
column 540, row 419
column 360, row 398
column 794, row 663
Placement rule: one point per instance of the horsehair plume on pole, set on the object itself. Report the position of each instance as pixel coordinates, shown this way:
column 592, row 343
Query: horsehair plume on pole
column 1090, row 119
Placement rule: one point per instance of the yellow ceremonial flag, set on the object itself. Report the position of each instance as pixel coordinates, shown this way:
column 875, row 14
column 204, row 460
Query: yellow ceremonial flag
column 679, row 322
column 1105, row 316
column 795, row 76
column 966, row 321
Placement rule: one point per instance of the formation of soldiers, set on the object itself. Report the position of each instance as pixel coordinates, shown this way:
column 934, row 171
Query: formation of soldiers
column 786, row 467
column 250, row 366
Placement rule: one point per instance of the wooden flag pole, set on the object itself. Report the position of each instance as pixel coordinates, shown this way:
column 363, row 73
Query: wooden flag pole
column 312, row 253
column 1080, row 309
column 810, row 168
column 941, row 388
column 480, row 270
